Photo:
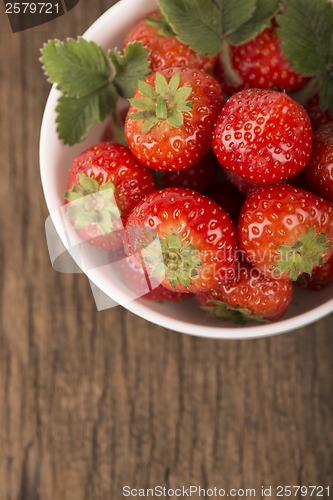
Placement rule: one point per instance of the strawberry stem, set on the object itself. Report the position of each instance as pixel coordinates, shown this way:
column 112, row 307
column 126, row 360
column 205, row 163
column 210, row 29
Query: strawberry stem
column 303, row 95
column 163, row 28
column 238, row 315
column 172, row 259
column 232, row 76
column 163, row 102
column 91, row 203
column 303, row 256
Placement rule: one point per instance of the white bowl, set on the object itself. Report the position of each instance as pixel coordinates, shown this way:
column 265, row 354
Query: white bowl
column 55, row 158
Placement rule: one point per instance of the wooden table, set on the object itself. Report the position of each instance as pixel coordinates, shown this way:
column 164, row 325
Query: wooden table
column 93, row 401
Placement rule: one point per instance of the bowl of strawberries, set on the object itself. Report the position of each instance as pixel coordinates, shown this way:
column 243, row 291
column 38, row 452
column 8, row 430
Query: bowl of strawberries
column 186, row 156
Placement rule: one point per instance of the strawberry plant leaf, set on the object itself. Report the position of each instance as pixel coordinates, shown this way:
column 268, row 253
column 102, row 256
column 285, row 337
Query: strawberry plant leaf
column 233, row 15
column 75, row 115
column 261, row 18
column 82, row 73
column 305, row 28
column 203, row 24
column 77, row 67
column 128, row 68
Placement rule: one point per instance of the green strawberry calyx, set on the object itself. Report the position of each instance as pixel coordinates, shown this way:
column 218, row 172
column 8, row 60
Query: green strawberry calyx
column 163, row 102
column 91, row 203
column 238, row 315
column 171, row 258
column 302, row 256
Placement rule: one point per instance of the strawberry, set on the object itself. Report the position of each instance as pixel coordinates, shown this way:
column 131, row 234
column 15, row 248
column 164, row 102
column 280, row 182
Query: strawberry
column 259, row 63
column 317, row 115
column 285, row 231
column 171, row 118
column 250, row 295
column 185, row 239
column 116, row 182
column 319, row 172
column 263, row 136
column 321, row 277
column 164, row 48
column 199, row 177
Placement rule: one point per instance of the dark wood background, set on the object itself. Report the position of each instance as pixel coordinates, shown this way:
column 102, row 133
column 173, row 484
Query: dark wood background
column 93, row 401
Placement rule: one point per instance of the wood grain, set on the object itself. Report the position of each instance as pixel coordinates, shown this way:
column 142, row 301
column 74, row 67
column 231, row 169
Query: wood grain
column 93, row 401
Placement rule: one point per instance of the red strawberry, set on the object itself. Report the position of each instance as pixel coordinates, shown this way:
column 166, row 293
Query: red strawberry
column 319, row 172
column 164, row 48
column 285, row 231
column 199, row 177
column 263, row 136
column 317, row 115
column 171, row 119
column 321, row 277
column 259, row 63
column 250, row 295
column 185, row 239
column 116, row 182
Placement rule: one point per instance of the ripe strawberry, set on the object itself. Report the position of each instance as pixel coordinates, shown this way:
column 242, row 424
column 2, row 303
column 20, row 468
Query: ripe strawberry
column 199, row 177
column 319, row 172
column 164, row 48
column 259, row 63
column 250, row 295
column 185, row 239
column 317, row 115
column 321, row 277
column 263, row 136
column 285, row 231
column 115, row 183
column 171, row 118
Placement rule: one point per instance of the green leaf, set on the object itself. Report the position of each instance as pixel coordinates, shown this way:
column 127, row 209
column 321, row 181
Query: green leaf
column 234, row 14
column 261, row 18
column 303, row 255
column 326, row 83
column 161, row 109
column 161, row 85
column 161, row 25
column 143, row 103
column 129, row 68
column 147, row 90
column 204, row 24
column 305, row 29
column 149, row 123
column 89, row 184
column 75, row 116
column 174, row 83
column 176, row 119
column 77, row 67
column 182, row 94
